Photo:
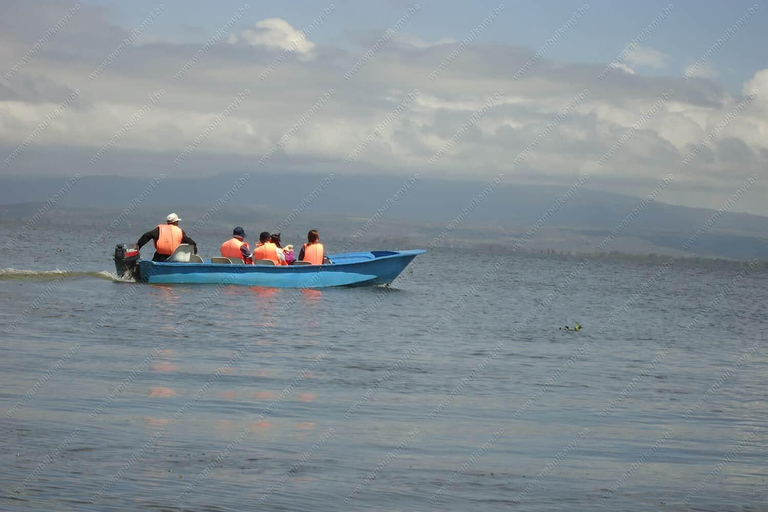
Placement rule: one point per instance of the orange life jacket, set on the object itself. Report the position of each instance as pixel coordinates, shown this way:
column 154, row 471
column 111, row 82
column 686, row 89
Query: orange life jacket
column 314, row 253
column 169, row 239
column 231, row 249
column 266, row 251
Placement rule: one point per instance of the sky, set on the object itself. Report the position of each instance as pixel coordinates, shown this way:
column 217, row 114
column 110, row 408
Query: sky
column 625, row 93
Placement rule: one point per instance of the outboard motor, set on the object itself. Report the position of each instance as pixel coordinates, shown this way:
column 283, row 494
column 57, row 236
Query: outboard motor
column 127, row 261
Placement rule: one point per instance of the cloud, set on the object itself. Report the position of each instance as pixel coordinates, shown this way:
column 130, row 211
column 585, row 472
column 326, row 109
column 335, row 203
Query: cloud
column 276, row 111
column 276, row 33
column 622, row 67
column 758, row 83
column 643, row 56
column 705, row 70
column 417, row 42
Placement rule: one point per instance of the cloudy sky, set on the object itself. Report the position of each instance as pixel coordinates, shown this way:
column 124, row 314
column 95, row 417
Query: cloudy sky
column 543, row 93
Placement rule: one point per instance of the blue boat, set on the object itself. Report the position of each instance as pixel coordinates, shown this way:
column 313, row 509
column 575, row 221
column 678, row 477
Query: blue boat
column 347, row 269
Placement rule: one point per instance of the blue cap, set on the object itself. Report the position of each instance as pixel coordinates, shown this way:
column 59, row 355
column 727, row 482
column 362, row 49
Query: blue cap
column 238, row 231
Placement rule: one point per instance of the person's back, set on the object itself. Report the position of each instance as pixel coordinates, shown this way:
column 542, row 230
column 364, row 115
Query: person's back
column 275, row 239
column 265, row 250
column 236, row 247
column 166, row 238
column 313, row 251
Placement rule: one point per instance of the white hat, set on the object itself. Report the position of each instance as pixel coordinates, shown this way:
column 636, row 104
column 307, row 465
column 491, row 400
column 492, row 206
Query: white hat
column 172, row 218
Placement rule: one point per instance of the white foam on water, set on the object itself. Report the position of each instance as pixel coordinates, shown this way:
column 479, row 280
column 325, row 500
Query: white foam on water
column 21, row 274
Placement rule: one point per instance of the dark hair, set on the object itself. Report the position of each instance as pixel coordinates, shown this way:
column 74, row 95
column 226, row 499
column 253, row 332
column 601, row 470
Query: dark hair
column 264, row 236
column 313, row 236
column 275, row 239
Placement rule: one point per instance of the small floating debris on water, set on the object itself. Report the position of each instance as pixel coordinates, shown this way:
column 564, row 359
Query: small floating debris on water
column 576, row 327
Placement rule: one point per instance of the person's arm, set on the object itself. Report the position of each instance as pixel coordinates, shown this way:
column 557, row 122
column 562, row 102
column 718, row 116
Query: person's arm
column 245, row 252
column 186, row 240
column 149, row 235
column 301, row 254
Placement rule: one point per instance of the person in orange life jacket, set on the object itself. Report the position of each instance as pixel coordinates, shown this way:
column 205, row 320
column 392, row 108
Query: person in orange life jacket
column 167, row 237
column 263, row 237
column 265, row 250
column 313, row 250
column 235, row 247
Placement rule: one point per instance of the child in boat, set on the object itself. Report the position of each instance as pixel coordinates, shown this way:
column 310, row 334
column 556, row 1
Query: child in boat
column 288, row 252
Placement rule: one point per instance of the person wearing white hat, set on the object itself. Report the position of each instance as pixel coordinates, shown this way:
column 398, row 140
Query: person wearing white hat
column 167, row 237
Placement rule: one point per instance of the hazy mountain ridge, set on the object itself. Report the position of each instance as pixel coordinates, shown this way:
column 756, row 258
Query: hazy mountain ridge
column 414, row 215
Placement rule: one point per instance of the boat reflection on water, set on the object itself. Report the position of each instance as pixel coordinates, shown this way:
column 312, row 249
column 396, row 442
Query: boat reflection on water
column 311, row 296
column 162, row 392
column 165, row 367
column 154, row 422
column 265, row 296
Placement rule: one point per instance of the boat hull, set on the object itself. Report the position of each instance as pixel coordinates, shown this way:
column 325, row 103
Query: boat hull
column 350, row 269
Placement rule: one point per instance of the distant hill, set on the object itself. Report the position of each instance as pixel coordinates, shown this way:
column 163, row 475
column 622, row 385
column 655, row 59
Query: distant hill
column 416, row 213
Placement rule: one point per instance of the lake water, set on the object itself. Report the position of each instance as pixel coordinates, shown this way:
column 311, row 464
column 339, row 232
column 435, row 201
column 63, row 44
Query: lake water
column 454, row 389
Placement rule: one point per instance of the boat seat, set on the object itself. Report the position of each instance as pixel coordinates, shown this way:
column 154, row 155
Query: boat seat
column 236, row 261
column 196, row 259
column 264, row 262
column 181, row 254
column 297, row 262
column 220, row 259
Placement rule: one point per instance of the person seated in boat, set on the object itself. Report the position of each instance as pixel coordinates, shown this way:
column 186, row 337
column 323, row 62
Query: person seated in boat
column 312, row 251
column 167, row 237
column 288, row 252
column 236, row 247
column 263, row 237
column 265, row 249
column 275, row 239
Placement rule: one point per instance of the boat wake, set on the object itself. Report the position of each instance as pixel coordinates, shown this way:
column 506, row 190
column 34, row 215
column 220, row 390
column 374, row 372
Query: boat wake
column 9, row 274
